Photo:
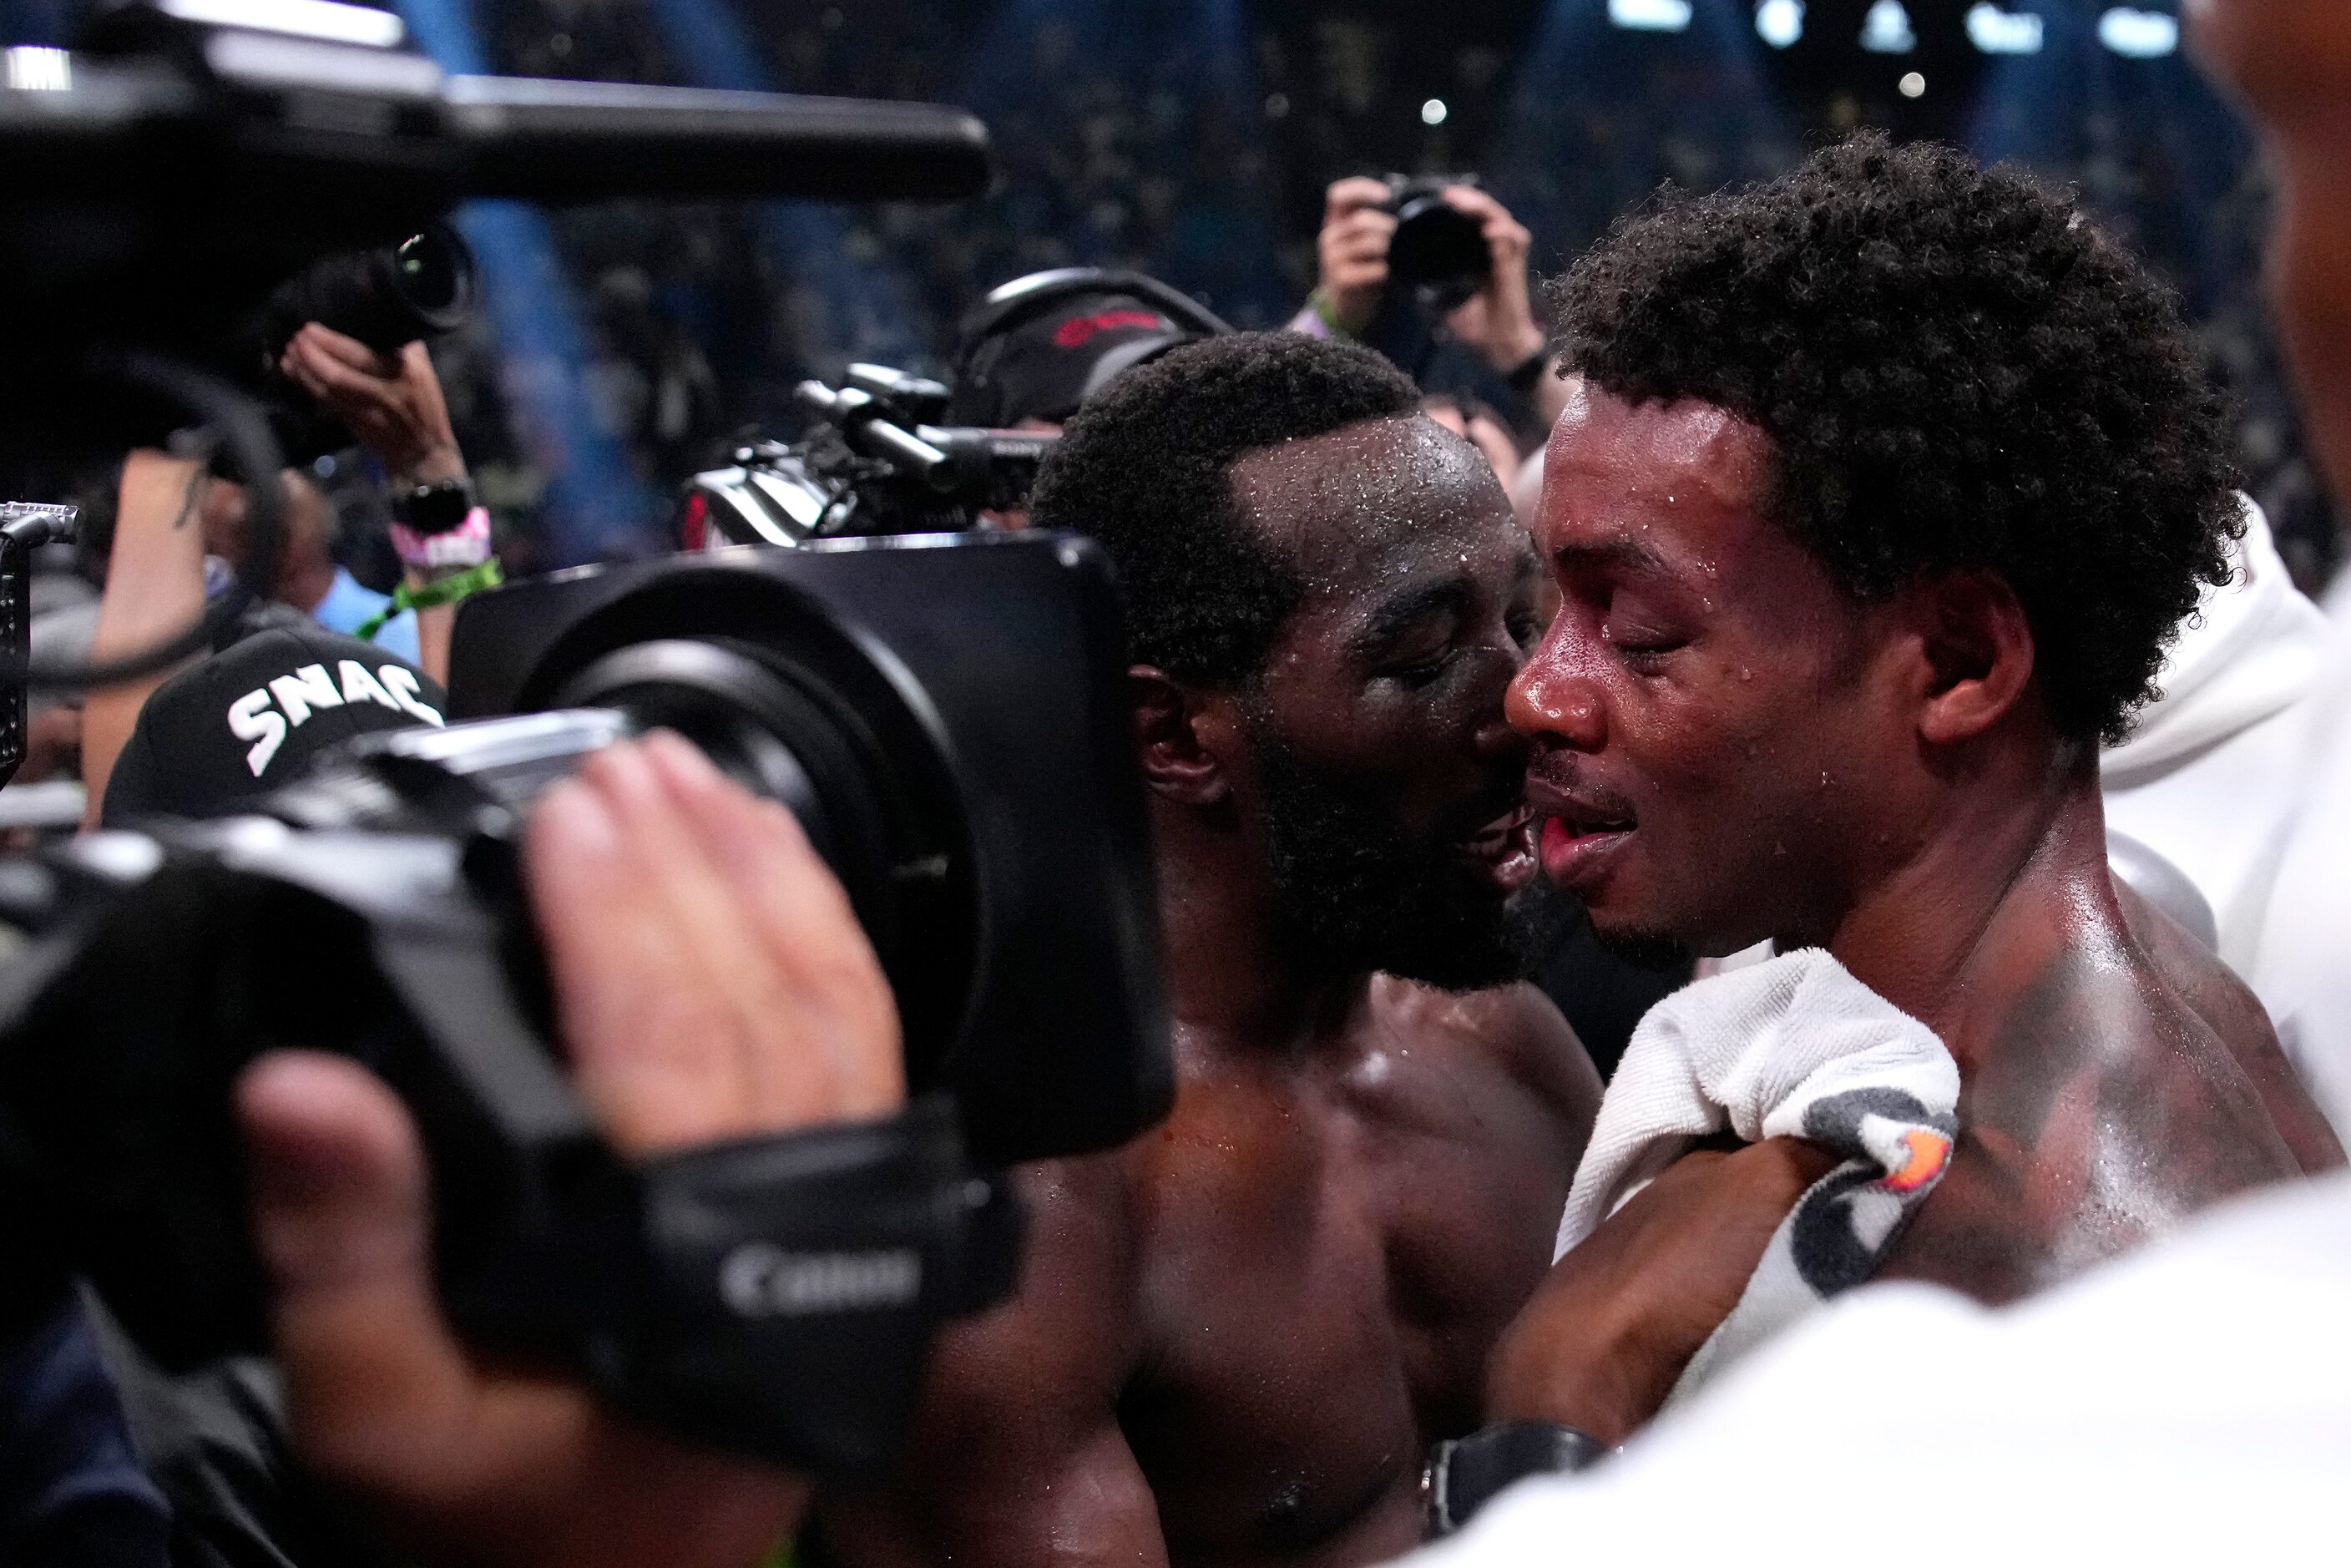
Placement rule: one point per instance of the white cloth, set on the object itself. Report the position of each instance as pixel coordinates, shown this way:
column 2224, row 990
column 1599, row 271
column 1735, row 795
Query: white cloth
column 2214, row 767
column 2302, row 939
column 2189, row 1403
column 1793, row 1047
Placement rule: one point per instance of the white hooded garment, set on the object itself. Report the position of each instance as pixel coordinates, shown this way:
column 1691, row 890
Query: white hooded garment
column 2215, row 768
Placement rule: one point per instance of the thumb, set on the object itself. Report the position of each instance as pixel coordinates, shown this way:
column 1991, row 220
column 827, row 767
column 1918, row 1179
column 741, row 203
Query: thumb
column 376, row 1382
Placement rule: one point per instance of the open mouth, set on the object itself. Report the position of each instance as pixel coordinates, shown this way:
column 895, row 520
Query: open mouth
column 1504, row 849
column 1578, row 836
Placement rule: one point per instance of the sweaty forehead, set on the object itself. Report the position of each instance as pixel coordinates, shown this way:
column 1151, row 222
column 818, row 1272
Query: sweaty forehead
column 1615, row 468
column 1339, row 504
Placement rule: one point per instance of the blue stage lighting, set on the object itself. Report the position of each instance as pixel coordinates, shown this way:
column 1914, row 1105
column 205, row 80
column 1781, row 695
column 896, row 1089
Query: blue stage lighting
column 593, row 507
column 2139, row 34
column 1651, row 15
column 1780, row 23
column 1886, row 29
column 1998, row 31
column 863, row 310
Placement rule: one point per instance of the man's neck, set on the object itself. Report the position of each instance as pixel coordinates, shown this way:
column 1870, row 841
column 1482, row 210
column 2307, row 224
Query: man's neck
column 1233, row 985
column 2012, row 859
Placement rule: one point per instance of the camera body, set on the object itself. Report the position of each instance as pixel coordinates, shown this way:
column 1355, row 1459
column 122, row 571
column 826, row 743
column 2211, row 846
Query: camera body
column 873, row 461
column 1437, row 257
column 957, row 704
column 946, row 716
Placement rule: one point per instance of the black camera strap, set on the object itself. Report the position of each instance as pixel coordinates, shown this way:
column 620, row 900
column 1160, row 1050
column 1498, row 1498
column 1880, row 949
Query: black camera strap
column 797, row 1280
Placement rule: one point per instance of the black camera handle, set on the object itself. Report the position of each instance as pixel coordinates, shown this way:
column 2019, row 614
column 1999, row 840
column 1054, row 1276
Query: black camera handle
column 776, row 1296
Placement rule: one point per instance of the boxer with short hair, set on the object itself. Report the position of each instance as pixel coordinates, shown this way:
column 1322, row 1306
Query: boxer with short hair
column 1880, row 490
column 1235, row 1339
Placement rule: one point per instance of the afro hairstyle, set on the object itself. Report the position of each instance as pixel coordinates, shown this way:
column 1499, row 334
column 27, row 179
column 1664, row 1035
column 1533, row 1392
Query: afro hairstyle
column 1145, row 469
column 1957, row 371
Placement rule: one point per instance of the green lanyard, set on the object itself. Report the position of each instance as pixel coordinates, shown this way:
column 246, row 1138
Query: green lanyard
column 448, row 591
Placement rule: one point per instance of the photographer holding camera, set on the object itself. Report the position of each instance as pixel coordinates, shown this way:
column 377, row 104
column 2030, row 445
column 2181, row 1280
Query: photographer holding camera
column 1497, row 323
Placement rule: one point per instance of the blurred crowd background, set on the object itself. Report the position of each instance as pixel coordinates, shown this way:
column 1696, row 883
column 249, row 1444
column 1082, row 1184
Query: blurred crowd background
column 624, row 346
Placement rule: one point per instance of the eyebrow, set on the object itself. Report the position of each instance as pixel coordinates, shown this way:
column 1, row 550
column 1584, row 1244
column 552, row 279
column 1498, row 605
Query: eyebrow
column 1626, row 554
column 1409, row 607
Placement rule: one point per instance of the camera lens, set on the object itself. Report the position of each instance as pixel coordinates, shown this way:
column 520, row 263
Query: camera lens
column 432, row 273
column 420, row 287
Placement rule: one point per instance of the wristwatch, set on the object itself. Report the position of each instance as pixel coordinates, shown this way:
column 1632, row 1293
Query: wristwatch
column 432, row 508
column 1464, row 1474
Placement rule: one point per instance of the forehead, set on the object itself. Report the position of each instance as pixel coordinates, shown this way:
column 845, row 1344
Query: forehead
column 1354, row 504
column 1675, row 478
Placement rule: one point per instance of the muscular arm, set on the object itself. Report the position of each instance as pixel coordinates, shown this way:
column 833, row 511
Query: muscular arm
column 1016, row 1459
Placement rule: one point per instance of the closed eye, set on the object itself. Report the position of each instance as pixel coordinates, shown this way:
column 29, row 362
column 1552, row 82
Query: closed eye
column 1426, row 672
column 1644, row 652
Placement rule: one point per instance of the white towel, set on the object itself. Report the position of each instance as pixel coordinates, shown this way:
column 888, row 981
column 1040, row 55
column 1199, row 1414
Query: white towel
column 1798, row 1046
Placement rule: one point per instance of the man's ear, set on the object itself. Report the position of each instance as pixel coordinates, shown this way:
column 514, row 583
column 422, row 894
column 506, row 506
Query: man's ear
column 1978, row 652
column 1179, row 736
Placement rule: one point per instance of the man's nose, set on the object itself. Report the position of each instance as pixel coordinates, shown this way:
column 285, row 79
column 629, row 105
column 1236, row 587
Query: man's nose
column 1548, row 700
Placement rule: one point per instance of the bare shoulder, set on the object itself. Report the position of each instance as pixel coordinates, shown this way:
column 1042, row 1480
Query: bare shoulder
column 1516, row 1027
column 2100, row 1109
column 2211, row 991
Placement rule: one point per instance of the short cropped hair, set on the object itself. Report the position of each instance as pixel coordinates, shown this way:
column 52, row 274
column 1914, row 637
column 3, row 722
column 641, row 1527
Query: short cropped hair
column 1145, row 467
column 1956, row 370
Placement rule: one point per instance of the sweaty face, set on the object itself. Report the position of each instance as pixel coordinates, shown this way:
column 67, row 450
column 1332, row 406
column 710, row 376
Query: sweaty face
column 1704, row 730
column 1381, row 766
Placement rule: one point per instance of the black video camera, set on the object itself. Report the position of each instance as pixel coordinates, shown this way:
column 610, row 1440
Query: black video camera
column 161, row 179
column 873, row 460
column 946, row 718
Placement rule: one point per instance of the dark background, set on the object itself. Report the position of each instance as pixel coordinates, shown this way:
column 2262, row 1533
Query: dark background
column 626, row 345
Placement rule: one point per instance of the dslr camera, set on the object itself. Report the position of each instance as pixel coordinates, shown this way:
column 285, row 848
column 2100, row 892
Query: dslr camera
column 1437, row 257
column 388, row 296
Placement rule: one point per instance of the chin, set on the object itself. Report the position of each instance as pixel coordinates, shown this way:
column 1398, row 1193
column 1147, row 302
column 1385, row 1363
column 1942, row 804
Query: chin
column 1643, row 947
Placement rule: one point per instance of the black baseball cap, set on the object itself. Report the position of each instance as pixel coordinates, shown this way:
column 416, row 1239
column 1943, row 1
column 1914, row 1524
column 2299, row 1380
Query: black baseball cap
column 248, row 720
column 1047, row 365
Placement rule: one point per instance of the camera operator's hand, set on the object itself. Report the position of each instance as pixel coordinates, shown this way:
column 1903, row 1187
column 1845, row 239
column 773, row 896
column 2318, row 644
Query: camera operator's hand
column 711, row 983
column 1605, row 1335
column 1352, row 252
column 1498, row 321
column 391, row 403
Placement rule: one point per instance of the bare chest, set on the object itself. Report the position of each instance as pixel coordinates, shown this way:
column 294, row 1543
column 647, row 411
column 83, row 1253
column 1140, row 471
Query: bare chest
column 1327, row 1266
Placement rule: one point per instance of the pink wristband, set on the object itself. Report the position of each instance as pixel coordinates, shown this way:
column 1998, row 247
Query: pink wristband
column 468, row 544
